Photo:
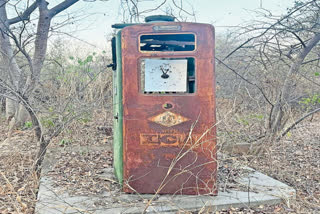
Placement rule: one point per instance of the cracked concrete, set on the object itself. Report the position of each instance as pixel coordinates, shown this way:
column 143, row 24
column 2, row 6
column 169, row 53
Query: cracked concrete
column 261, row 189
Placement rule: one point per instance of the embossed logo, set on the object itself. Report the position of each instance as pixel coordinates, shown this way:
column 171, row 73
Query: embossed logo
column 161, row 139
column 168, row 119
column 169, row 140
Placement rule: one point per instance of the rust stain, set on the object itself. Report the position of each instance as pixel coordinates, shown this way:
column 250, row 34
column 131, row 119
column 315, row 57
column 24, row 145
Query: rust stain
column 169, row 139
column 153, row 140
column 160, row 139
column 168, row 119
column 170, row 156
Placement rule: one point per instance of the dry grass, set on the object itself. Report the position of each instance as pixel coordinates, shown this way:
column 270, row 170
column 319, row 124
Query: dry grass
column 295, row 161
column 18, row 182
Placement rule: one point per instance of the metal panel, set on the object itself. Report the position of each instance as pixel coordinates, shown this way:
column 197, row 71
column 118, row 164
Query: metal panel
column 165, row 75
column 118, row 113
column 169, row 150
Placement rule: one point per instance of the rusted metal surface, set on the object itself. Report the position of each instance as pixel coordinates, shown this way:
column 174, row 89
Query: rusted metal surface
column 159, row 151
column 168, row 119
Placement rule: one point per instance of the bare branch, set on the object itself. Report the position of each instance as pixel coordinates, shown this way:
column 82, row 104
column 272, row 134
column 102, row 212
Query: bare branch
column 269, row 28
column 297, row 122
column 61, row 7
column 21, row 49
column 289, row 84
column 301, row 41
column 25, row 15
column 312, row 60
column 234, row 71
column 180, row 7
column 154, row 9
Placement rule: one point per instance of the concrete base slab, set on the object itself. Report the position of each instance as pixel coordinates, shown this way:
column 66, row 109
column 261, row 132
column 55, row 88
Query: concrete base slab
column 261, row 189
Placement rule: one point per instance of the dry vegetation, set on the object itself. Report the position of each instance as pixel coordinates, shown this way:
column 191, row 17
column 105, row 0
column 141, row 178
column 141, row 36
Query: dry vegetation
column 72, row 103
column 18, row 182
column 294, row 160
column 73, row 100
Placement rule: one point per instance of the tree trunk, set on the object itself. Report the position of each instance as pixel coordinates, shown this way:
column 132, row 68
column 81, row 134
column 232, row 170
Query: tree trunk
column 2, row 105
column 21, row 116
column 20, row 88
column 280, row 111
column 14, row 73
column 10, row 109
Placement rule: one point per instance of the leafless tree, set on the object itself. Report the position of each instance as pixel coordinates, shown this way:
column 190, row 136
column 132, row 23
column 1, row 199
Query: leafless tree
column 135, row 10
column 18, row 82
column 24, row 41
column 281, row 56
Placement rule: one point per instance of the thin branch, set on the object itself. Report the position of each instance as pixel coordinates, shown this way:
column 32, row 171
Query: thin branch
column 154, row 9
column 181, row 8
column 246, row 80
column 136, row 12
column 61, row 7
column 301, row 41
column 298, row 121
column 304, row 76
column 25, row 15
column 22, row 50
column 312, row 60
column 265, row 31
column 21, row 99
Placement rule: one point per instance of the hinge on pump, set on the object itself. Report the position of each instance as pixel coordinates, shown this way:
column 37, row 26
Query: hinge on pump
column 116, row 116
column 113, row 66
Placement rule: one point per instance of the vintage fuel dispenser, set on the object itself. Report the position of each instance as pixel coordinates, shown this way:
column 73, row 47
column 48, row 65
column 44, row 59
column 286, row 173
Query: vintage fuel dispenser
column 164, row 107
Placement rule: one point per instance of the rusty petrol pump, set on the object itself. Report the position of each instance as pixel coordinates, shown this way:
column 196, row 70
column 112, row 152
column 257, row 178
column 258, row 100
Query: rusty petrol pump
column 164, row 107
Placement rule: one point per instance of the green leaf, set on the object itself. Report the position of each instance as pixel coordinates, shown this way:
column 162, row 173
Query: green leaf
column 89, row 59
column 64, row 142
column 289, row 134
column 317, row 74
column 28, row 124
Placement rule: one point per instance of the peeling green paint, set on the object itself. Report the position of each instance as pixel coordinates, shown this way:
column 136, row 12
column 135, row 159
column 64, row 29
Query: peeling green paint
column 118, row 114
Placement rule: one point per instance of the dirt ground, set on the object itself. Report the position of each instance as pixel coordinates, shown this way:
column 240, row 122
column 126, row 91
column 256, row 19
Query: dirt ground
column 18, row 183
column 295, row 161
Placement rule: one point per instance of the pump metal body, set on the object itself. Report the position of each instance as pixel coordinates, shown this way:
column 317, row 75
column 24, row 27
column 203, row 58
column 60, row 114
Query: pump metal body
column 164, row 108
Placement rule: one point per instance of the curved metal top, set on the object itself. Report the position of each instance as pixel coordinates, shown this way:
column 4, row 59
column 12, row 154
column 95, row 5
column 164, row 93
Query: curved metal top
column 159, row 18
